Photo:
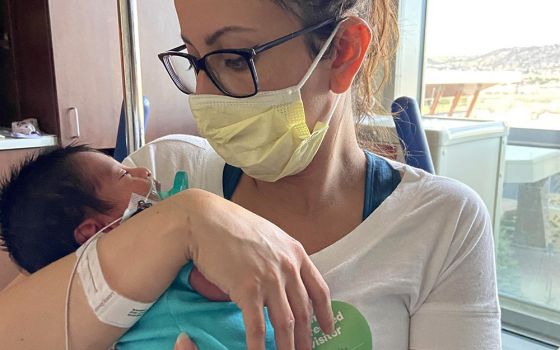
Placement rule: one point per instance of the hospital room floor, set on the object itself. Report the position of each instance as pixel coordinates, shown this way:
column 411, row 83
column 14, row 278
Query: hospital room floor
column 511, row 341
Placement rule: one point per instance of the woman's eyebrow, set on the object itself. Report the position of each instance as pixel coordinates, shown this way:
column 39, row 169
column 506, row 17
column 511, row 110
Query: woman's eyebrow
column 186, row 40
column 211, row 40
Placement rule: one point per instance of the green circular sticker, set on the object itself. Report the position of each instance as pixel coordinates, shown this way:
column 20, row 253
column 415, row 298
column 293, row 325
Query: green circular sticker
column 351, row 332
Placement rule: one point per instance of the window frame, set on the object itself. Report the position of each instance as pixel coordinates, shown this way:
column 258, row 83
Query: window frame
column 519, row 317
column 534, row 137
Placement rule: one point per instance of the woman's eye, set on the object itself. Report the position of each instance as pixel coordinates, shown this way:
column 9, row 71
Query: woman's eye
column 236, row 64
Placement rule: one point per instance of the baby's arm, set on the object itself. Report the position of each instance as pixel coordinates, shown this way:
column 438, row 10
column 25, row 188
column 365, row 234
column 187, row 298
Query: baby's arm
column 32, row 314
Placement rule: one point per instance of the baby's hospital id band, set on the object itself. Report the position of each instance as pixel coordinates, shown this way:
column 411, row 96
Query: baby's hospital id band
column 109, row 307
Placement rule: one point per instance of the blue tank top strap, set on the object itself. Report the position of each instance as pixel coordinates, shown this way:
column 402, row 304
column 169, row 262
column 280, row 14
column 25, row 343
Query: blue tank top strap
column 230, row 180
column 381, row 181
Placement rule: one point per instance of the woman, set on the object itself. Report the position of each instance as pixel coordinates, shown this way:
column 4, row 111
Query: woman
column 411, row 252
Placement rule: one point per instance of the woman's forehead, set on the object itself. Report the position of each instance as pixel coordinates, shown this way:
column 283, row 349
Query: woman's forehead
column 263, row 19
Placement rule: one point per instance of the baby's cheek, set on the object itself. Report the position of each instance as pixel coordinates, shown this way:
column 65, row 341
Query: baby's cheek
column 205, row 288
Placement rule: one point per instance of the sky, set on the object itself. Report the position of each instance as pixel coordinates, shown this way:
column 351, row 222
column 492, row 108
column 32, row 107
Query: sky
column 472, row 27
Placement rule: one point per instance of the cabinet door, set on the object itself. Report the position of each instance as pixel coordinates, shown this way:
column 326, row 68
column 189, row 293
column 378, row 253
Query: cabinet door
column 86, row 50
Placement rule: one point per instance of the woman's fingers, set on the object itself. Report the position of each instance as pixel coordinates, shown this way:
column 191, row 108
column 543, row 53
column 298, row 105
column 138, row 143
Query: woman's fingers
column 255, row 327
column 319, row 294
column 282, row 319
column 265, row 266
column 184, row 343
column 302, row 311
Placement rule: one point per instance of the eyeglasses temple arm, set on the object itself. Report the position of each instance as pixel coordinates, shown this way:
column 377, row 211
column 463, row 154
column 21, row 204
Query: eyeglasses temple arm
column 288, row 37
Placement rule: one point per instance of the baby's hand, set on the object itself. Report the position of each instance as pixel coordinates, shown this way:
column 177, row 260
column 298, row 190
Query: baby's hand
column 205, row 288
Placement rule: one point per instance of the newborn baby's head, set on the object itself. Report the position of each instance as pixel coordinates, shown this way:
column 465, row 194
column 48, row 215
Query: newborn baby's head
column 53, row 203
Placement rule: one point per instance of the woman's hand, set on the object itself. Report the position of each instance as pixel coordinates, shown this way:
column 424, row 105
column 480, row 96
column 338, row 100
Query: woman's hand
column 257, row 264
column 184, row 343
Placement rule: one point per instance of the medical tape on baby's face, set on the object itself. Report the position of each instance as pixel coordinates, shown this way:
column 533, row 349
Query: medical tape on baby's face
column 138, row 203
column 109, row 306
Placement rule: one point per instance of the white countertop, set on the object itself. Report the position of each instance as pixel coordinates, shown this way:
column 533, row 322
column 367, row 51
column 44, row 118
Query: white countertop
column 7, row 142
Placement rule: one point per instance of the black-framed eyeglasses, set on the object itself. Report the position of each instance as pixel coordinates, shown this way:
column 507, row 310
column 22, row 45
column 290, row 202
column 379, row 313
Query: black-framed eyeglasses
column 231, row 70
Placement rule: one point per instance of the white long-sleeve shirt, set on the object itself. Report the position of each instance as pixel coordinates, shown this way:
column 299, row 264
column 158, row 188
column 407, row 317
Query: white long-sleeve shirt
column 420, row 268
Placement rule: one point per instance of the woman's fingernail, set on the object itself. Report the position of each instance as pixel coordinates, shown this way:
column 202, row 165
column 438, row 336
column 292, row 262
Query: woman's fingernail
column 182, row 338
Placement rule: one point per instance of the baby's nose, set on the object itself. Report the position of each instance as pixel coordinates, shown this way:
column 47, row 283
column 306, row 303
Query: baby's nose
column 141, row 172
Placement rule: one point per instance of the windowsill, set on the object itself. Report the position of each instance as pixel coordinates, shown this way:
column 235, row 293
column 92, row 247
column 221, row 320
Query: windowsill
column 512, row 341
column 530, row 320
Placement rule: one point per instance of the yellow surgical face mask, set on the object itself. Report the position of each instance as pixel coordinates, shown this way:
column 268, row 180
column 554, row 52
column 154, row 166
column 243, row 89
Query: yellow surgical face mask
column 265, row 135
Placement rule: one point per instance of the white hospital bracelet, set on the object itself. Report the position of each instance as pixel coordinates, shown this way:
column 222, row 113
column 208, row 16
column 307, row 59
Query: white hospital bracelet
column 110, row 307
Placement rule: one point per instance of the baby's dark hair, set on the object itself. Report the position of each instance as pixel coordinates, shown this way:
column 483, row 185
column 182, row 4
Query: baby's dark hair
column 41, row 203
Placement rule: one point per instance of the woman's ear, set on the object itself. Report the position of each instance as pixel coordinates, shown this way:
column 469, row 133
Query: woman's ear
column 87, row 229
column 350, row 47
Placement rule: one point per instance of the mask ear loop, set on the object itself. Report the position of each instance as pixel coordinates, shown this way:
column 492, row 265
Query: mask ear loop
column 314, row 65
column 333, row 110
column 83, row 248
column 319, row 56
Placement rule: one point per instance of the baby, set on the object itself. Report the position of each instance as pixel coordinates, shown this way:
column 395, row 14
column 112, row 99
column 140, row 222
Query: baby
column 55, row 202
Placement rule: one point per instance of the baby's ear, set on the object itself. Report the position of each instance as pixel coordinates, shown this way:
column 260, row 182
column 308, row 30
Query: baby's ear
column 86, row 230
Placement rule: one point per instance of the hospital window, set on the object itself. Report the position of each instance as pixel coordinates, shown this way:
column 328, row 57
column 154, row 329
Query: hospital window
column 499, row 61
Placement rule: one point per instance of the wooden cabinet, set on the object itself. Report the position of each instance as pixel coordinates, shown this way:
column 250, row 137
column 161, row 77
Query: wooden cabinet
column 87, row 70
column 65, row 59
column 7, row 77
column 67, row 66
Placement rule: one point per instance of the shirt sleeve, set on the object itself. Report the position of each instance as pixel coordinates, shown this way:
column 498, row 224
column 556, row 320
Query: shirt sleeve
column 461, row 310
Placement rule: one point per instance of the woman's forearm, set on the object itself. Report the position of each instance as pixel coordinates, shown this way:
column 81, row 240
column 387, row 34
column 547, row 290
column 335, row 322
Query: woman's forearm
column 246, row 256
column 139, row 260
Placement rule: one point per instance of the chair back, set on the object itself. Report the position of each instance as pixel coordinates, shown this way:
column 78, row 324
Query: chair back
column 411, row 134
